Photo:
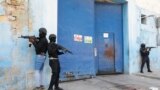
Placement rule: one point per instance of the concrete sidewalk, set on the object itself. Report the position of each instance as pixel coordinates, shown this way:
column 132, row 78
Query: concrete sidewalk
column 153, row 75
column 138, row 81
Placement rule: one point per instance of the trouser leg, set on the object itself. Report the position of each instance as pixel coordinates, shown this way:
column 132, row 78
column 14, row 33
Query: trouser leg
column 39, row 64
column 55, row 73
column 41, row 77
column 57, row 77
column 148, row 64
column 37, row 77
column 142, row 64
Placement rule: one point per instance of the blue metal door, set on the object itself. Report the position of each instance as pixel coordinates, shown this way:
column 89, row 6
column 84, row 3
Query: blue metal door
column 106, row 55
column 109, row 38
column 76, row 32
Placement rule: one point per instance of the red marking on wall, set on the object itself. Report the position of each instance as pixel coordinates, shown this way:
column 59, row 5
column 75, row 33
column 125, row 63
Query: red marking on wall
column 109, row 52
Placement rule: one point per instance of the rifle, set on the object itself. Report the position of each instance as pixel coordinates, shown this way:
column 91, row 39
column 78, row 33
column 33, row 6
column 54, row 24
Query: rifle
column 27, row 37
column 150, row 48
column 64, row 49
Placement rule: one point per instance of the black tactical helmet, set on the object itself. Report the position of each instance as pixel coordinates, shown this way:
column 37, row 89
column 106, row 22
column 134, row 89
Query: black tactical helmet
column 142, row 45
column 52, row 36
column 43, row 30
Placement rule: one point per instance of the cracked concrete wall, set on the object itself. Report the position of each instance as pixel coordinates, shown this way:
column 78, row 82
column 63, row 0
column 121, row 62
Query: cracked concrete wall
column 22, row 17
column 142, row 33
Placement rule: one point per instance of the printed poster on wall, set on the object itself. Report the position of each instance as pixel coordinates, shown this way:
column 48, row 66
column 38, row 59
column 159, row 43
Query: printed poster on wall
column 87, row 39
column 77, row 38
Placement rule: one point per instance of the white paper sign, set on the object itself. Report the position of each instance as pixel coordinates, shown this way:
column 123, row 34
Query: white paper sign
column 105, row 35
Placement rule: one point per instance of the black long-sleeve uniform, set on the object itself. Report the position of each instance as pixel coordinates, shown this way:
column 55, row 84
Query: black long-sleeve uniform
column 41, row 45
column 145, row 58
column 54, row 50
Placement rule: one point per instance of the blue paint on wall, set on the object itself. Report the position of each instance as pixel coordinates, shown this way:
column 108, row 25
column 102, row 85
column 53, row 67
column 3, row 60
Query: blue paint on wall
column 76, row 17
column 5, row 63
column 2, row 11
column 125, row 38
column 5, row 45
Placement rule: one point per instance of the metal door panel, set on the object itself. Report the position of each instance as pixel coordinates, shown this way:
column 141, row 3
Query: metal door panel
column 108, row 18
column 106, row 53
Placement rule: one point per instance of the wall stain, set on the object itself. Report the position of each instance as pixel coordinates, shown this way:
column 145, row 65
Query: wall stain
column 29, row 80
column 2, row 72
column 15, row 70
column 7, row 77
column 3, row 18
column 15, row 2
column 109, row 52
column 17, row 14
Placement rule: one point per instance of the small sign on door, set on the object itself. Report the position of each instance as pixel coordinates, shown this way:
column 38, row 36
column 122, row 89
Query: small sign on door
column 87, row 39
column 78, row 37
column 105, row 35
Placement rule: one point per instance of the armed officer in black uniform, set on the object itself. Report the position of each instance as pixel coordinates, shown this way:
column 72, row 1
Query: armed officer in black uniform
column 145, row 57
column 40, row 45
column 54, row 50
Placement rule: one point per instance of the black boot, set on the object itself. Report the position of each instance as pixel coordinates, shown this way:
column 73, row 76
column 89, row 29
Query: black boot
column 141, row 71
column 50, row 88
column 149, row 71
column 58, row 88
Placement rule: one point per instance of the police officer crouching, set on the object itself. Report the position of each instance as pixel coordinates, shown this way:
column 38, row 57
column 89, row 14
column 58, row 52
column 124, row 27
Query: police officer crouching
column 54, row 50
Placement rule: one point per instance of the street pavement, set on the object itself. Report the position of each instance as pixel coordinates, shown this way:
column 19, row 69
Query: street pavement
column 145, row 81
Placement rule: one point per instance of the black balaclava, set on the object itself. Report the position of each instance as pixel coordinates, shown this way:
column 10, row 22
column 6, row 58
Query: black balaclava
column 42, row 32
column 52, row 38
column 142, row 45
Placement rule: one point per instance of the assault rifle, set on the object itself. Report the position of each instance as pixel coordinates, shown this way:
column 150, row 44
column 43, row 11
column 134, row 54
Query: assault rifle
column 149, row 48
column 64, row 49
column 27, row 37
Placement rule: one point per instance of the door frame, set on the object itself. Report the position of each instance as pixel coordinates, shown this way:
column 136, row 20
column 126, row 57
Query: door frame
column 125, row 46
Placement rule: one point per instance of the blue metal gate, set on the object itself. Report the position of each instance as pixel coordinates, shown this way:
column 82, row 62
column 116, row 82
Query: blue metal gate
column 108, row 21
column 76, row 32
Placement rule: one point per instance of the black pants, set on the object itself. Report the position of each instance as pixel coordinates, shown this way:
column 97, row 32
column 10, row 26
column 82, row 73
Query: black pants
column 55, row 66
column 145, row 60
